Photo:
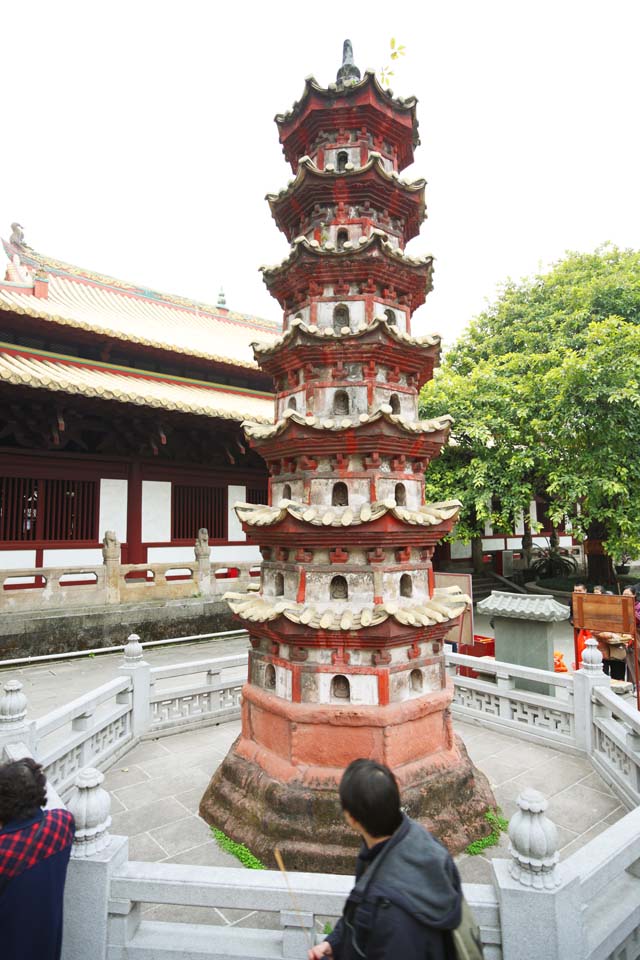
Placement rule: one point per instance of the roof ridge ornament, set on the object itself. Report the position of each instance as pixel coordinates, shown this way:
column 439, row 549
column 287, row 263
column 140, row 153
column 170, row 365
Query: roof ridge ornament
column 348, row 72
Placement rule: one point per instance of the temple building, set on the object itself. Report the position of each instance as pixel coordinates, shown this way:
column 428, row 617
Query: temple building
column 120, row 410
column 346, row 625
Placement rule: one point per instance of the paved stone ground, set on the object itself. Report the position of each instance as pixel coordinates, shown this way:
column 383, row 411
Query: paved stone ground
column 156, row 787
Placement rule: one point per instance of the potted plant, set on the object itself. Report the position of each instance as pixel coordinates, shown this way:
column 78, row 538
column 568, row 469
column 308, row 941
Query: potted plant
column 622, row 566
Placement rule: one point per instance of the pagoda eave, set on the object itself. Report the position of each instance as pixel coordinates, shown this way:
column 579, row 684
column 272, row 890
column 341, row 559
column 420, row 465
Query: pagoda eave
column 370, row 183
column 396, row 534
column 389, row 632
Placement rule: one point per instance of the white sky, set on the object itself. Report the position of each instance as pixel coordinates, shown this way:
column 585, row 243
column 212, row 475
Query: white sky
column 138, row 137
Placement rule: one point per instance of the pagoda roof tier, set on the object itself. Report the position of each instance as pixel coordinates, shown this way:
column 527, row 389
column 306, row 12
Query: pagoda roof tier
column 446, row 604
column 372, row 182
column 259, row 431
column 352, row 345
column 43, row 370
column 372, row 260
column 428, row 515
column 353, row 106
column 119, row 311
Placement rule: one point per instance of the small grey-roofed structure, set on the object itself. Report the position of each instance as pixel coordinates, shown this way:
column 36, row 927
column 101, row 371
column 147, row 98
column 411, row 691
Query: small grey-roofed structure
column 520, row 607
column 523, row 631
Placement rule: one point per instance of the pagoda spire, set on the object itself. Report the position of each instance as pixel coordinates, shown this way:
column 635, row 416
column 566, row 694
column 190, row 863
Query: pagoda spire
column 348, row 72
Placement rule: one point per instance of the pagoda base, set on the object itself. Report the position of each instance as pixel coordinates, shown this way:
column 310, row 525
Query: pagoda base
column 261, row 800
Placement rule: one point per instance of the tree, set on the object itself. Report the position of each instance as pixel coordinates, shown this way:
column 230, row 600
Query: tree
column 544, row 388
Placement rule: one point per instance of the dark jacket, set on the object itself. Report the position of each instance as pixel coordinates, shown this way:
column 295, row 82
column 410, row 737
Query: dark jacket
column 406, row 900
column 34, row 855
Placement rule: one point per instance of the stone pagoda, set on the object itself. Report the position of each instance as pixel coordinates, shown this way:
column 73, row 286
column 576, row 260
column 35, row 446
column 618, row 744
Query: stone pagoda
column 346, row 627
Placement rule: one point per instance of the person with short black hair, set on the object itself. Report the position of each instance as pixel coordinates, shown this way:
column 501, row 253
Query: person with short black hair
column 407, row 898
column 35, row 846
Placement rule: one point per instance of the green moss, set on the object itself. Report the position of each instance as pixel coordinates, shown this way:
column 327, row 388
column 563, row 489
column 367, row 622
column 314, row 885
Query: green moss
column 238, row 850
column 499, row 825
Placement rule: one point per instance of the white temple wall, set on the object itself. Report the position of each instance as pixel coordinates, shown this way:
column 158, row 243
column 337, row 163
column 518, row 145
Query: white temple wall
column 113, row 507
column 303, row 314
column 156, row 511
column 236, row 493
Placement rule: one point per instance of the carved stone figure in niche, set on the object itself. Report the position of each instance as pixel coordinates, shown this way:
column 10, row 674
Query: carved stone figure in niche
column 341, row 317
column 394, row 403
column 406, row 585
column 339, row 589
column 340, row 495
column 341, row 403
column 401, row 495
column 270, row 677
column 279, row 585
column 340, row 688
column 416, row 681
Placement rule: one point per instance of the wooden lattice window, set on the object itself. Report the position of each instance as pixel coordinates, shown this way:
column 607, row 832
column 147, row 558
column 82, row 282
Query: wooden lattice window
column 196, row 507
column 48, row 510
column 259, row 494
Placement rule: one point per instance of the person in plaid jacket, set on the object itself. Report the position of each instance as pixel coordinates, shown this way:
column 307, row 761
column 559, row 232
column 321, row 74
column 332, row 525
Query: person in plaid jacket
column 35, row 846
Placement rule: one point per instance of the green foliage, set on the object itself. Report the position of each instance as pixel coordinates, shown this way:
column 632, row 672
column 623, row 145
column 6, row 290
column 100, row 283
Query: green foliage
column 396, row 51
column 499, row 825
column 327, row 929
column 544, row 388
column 238, row 850
column 550, row 562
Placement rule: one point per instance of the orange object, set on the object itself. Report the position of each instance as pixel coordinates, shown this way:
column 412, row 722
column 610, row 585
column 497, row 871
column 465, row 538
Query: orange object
column 481, row 647
column 559, row 666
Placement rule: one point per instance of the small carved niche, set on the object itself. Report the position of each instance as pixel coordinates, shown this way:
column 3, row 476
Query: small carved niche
column 342, row 160
column 406, row 585
column 270, row 677
column 279, row 585
column 339, row 589
column 391, row 317
column 394, row 403
column 341, row 315
column 286, row 491
column 340, row 495
column 401, row 494
column 292, row 405
column 340, row 688
column 341, row 403
column 416, row 681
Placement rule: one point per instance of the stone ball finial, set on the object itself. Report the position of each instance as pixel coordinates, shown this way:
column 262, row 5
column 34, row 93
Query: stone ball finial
column 533, row 843
column 90, row 805
column 348, row 72
column 591, row 661
column 13, row 705
column 133, row 649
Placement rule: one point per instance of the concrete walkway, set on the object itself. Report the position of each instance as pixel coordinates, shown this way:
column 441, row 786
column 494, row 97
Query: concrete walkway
column 157, row 786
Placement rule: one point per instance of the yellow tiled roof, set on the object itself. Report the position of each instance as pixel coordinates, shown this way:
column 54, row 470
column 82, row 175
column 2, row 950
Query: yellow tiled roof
column 47, row 371
column 109, row 307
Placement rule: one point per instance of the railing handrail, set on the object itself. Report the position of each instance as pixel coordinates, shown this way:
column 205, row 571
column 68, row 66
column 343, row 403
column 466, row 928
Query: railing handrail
column 483, row 665
column 619, row 708
column 211, row 664
column 87, row 703
column 598, row 863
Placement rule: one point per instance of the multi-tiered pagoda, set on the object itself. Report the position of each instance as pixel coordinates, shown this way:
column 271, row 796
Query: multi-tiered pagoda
column 346, row 627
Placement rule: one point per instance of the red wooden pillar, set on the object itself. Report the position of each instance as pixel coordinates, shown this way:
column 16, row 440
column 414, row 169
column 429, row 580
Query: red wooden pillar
column 135, row 553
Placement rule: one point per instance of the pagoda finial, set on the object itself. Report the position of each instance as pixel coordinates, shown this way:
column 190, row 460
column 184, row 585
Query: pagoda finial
column 222, row 300
column 348, row 72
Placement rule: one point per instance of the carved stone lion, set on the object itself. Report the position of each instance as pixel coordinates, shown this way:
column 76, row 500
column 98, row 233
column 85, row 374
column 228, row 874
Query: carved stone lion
column 17, row 235
column 110, row 546
column 201, row 546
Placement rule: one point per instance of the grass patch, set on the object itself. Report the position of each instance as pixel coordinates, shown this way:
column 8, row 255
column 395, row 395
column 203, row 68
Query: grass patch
column 498, row 824
column 237, row 850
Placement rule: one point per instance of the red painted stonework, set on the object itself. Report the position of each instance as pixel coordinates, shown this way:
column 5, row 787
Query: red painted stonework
column 346, row 380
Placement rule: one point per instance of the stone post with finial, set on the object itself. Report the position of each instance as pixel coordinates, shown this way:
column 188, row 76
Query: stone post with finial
column 533, row 893
column 95, row 857
column 14, row 726
column 589, row 676
column 135, row 666
column 111, row 561
column 202, row 552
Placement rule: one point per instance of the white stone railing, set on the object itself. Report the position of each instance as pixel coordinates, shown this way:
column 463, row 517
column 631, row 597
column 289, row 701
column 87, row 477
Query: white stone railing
column 494, row 700
column 615, row 743
column 214, row 698
column 535, row 907
column 33, row 588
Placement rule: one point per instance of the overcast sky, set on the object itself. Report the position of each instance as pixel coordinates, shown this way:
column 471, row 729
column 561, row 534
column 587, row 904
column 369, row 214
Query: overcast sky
column 138, row 137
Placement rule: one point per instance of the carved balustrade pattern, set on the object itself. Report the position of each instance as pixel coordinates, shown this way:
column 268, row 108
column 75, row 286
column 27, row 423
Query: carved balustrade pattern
column 493, row 699
column 616, row 743
column 214, row 698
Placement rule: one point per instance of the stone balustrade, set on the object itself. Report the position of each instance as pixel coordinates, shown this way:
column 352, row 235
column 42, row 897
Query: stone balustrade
column 535, row 907
column 34, row 588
